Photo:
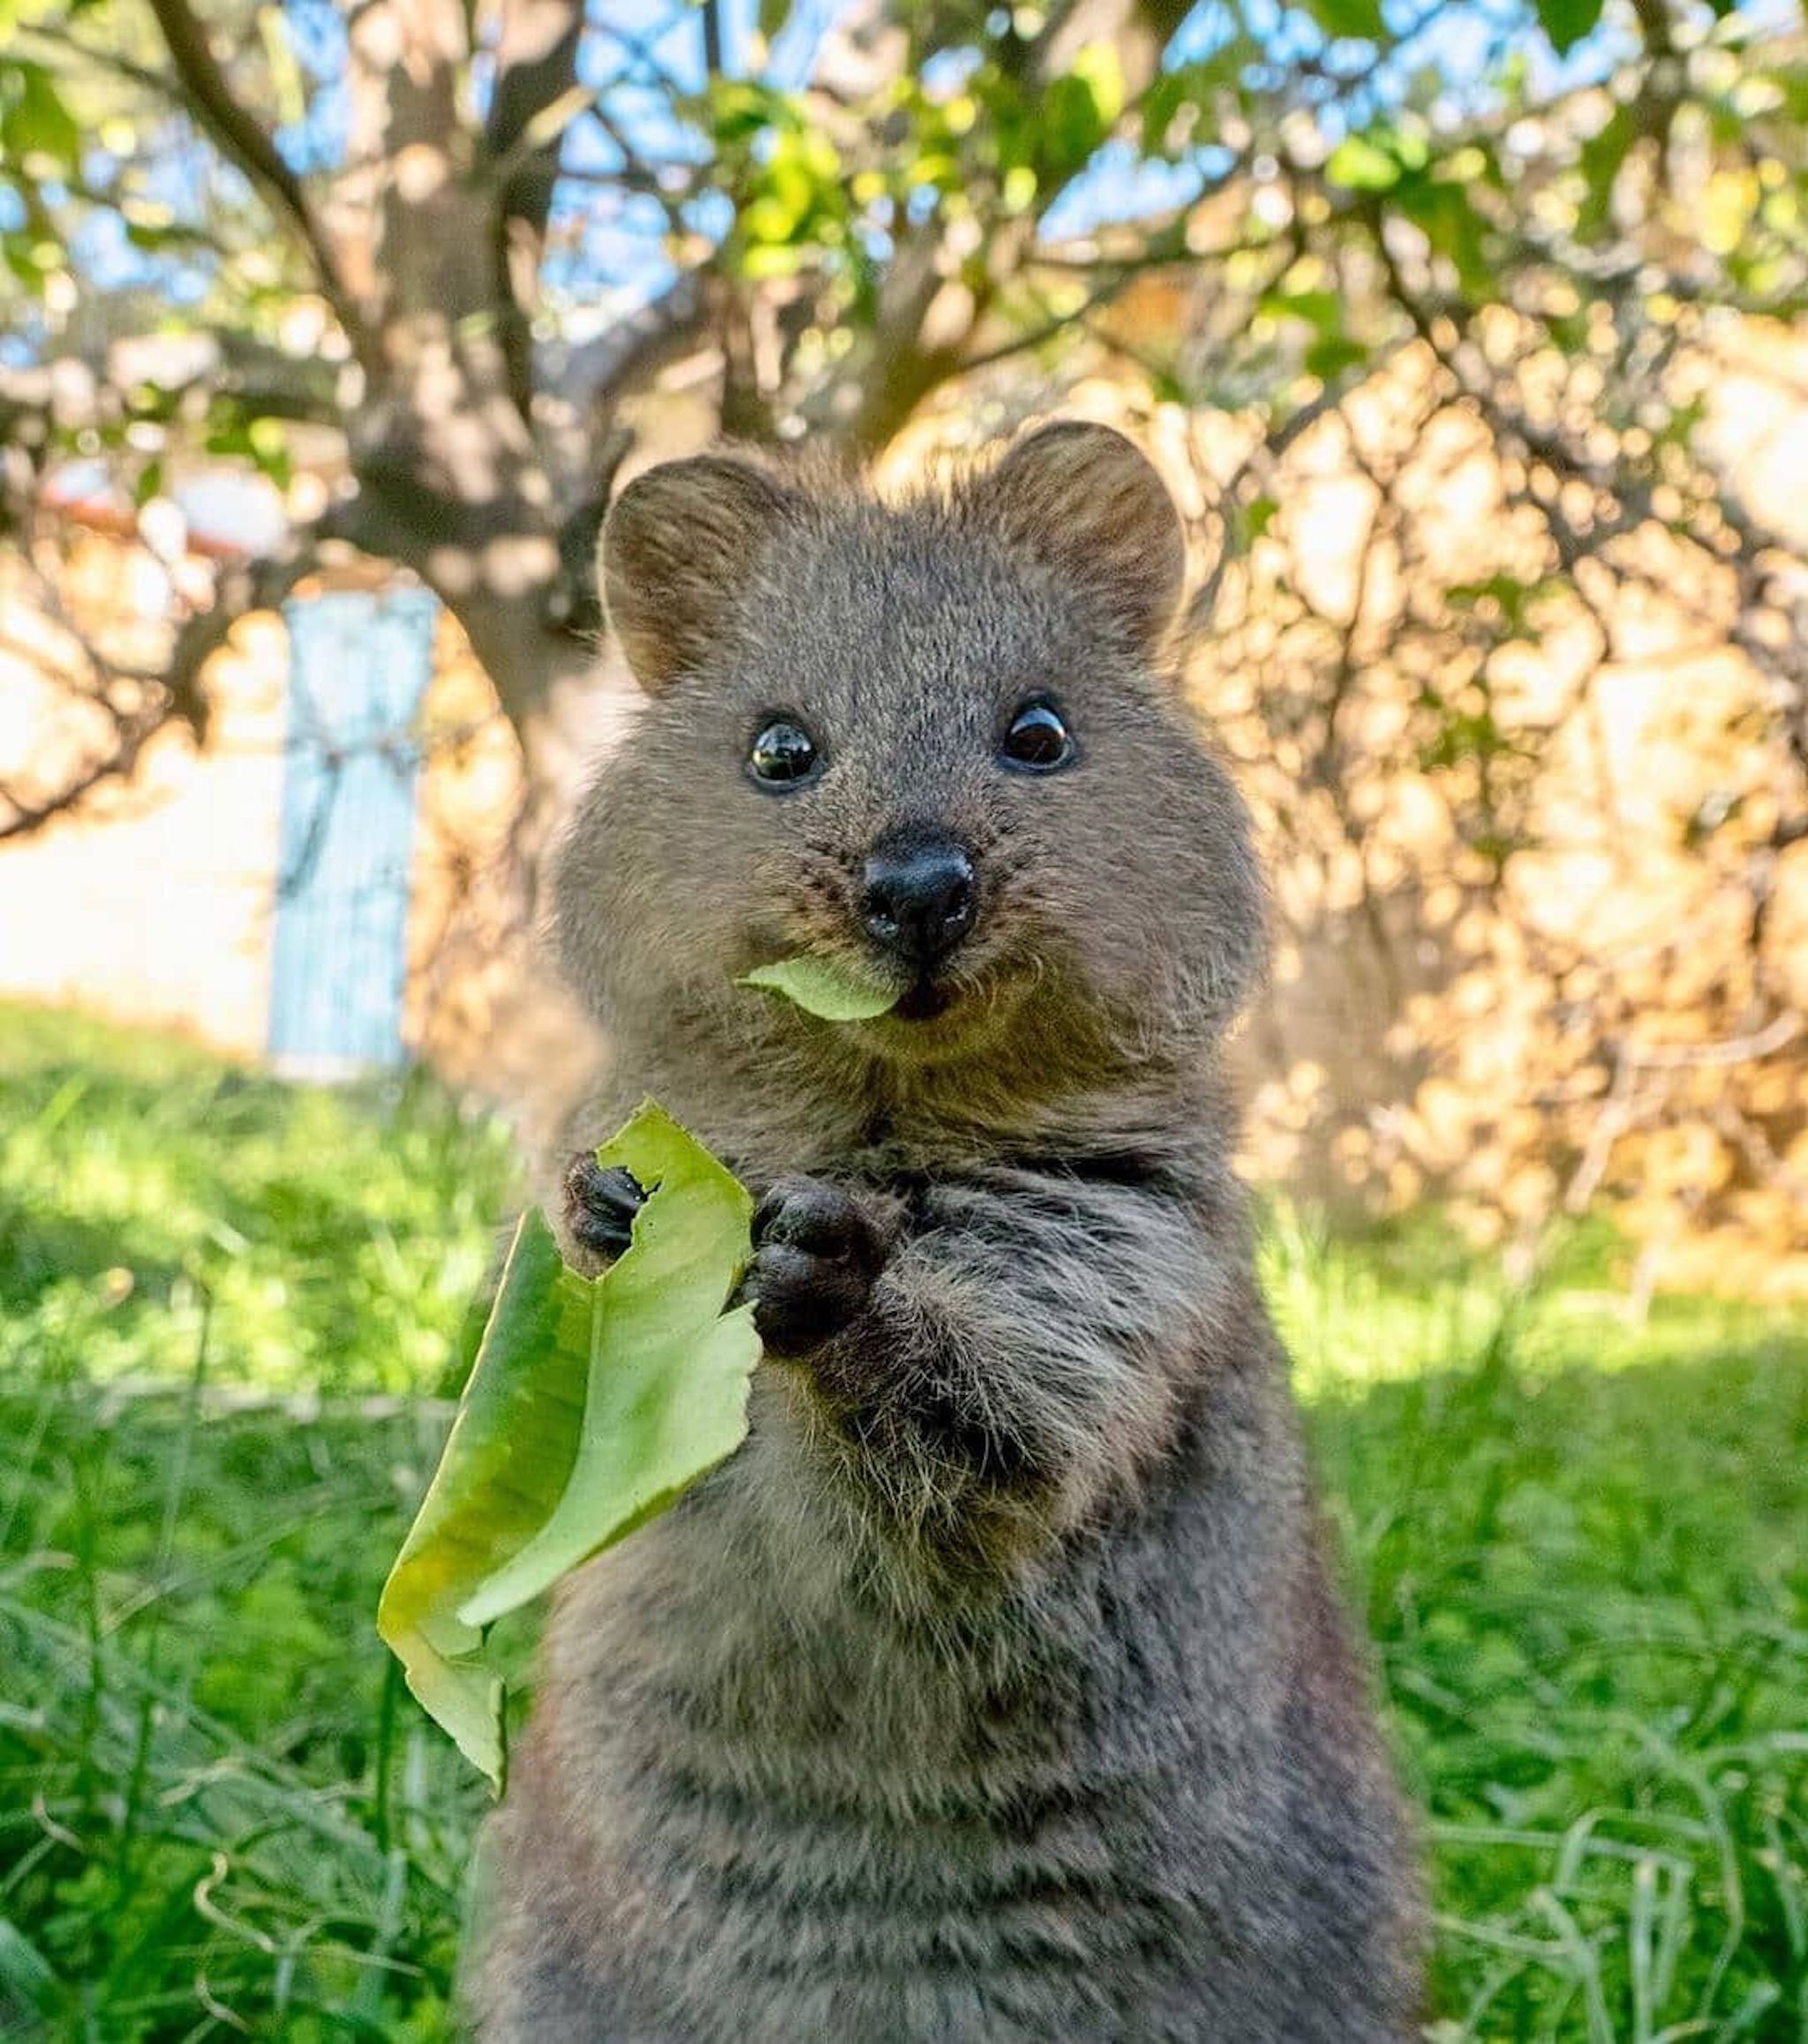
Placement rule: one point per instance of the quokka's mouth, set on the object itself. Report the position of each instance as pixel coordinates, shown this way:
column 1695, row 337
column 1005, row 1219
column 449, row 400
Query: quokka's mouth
column 923, row 1001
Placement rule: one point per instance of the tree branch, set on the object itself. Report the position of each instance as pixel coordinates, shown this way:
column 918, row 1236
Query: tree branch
column 211, row 101
column 536, row 71
column 902, row 371
column 106, row 60
column 1268, row 449
column 139, row 703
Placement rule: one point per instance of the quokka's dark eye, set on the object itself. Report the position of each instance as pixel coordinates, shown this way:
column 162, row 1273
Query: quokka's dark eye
column 784, row 755
column 1037, row 739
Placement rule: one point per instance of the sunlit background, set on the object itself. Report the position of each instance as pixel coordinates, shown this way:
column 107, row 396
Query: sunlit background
column 1471, row 341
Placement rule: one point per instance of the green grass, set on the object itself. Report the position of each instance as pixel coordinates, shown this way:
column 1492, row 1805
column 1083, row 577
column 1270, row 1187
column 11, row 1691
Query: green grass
column 1580, row 1543
column 1582, row 1549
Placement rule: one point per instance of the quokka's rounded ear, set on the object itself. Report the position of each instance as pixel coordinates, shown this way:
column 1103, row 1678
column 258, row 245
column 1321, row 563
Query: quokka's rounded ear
column 1086, row 501
column 678, row 546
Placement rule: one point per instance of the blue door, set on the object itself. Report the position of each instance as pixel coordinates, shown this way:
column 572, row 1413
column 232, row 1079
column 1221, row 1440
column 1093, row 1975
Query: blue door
column 359, row 665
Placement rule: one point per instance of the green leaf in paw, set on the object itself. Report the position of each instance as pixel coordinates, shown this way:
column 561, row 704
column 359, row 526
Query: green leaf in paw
column 593, row 1407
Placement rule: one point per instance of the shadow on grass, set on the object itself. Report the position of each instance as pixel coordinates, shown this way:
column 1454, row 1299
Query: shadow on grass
column 337, row 1236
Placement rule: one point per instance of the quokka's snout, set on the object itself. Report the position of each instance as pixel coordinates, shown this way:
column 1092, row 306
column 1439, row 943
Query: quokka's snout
column 919, row 895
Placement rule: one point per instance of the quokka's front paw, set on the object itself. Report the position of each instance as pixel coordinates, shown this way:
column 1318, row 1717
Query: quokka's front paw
column 599, row 1209
column 816, row 1254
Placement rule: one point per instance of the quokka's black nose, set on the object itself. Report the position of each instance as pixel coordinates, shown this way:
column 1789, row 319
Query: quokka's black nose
column 921, row 894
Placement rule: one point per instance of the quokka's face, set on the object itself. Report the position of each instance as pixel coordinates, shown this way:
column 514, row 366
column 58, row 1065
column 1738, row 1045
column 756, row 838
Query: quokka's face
column 928, row 738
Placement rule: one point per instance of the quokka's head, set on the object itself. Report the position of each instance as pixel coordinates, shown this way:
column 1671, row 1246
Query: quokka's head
column 938, row 736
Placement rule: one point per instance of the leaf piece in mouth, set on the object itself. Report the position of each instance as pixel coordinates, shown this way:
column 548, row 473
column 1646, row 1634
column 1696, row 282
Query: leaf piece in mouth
column 835, row 989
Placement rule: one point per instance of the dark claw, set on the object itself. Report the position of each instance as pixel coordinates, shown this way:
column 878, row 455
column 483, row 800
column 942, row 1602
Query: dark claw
column 600, row 1205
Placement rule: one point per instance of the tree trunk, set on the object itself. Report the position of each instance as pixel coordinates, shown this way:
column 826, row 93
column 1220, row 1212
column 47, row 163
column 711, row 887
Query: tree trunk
column 565, row 699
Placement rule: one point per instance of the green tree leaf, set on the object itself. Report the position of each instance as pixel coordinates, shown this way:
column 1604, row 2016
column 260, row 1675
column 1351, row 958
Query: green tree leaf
column 1073, row 123
column 1602, row 156
column 1324, row 310
column 1352, row 17
column 1567, row 21
column 35, row 122
column 1331, row 354
column 592, row 1407
column 1254, row 519
column 836, row 989
column 1453, row 228
column 1361, row 165
column 1102, row 70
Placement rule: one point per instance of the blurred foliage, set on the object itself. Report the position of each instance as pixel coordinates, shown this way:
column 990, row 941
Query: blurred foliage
column 870, row 200
column 1541, row 892
column 1577, row 1540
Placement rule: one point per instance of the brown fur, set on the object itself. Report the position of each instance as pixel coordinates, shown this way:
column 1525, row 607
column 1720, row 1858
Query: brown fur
column 994, row 1690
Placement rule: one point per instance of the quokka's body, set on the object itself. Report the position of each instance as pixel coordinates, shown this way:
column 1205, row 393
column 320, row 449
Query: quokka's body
column 994, row 1689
